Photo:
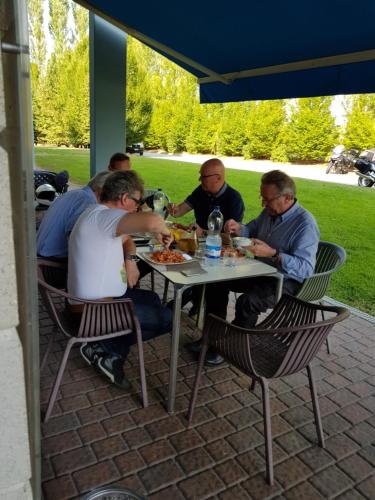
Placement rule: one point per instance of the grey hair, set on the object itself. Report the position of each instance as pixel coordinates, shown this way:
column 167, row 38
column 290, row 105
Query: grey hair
column 282, row 181
column 97, row 182
column 119, row 183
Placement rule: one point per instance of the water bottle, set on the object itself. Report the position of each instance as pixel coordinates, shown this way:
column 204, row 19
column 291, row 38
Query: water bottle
column 213, row 241
column 159, row 200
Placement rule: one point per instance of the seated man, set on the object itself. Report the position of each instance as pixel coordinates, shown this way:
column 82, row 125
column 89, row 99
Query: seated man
column 119, row 161
column 213, row 191
column 56, row 226
column 96, row 267
column 286, row 236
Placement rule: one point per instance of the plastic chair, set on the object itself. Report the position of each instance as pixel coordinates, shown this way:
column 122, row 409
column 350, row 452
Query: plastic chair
column 100, row 320
column 329, row 259
column 283, row 344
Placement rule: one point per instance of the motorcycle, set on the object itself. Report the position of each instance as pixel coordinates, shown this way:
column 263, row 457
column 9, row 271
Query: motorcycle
column 341, row 161
column 365, row 171
column 48, row 186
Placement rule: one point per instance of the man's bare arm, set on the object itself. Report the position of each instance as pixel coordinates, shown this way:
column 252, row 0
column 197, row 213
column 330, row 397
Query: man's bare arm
column 140, row 223
column 179, row 210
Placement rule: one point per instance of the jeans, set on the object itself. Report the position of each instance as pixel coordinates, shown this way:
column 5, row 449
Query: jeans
column 259, row 294
column 154, row 319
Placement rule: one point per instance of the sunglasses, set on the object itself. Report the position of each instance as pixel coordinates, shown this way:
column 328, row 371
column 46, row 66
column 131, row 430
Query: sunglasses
column 137, row 201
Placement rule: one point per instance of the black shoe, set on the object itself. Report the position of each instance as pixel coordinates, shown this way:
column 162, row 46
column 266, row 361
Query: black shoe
column 195, row 347
column 112, row 368
column 92, row 352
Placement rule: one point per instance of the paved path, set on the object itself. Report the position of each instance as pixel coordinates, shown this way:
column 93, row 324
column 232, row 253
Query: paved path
column 314, row 172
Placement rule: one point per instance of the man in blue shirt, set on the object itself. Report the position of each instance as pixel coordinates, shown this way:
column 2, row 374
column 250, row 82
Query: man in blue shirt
column 286, row 236
column 57, row 224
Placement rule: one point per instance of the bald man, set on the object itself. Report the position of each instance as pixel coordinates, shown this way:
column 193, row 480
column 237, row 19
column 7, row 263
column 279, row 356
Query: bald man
column 213, row 191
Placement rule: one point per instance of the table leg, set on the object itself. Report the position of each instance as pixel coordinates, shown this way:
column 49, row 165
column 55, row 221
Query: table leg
column 279, row 286
column 174, row 347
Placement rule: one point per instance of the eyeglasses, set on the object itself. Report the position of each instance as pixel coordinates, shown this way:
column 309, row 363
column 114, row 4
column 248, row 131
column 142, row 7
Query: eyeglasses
column 202, row 177
column 137, row 201
column 269, row 200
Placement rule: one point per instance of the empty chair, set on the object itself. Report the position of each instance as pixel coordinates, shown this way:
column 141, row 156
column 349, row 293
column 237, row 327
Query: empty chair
column 100, row 320
column 329, row 259
column 283, row 344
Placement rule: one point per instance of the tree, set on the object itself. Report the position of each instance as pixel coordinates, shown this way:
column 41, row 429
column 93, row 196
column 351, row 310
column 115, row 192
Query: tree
column 231, row 135
column 58, row 12
column 311, row 132
column 265, row 119
column 360, row 126
column 138, row 94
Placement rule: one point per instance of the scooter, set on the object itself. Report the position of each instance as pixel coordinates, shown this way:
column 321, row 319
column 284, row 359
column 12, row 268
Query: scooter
column 366, row 172
column 47, row 186
column 341, row 161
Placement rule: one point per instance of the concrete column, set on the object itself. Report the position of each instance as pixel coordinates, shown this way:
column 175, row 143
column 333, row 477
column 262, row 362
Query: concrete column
column 19, row 367
column 107, row 92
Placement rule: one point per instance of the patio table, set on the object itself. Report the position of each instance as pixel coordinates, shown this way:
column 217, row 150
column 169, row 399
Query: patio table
column 248, row 268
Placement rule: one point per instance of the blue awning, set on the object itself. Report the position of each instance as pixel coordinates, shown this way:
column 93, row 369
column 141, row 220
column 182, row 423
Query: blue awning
column 258, row 49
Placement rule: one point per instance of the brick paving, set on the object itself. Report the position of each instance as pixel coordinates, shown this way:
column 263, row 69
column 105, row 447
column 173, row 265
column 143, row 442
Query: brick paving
column 99, row 435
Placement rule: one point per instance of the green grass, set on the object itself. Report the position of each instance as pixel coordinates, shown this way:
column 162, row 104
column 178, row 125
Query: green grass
column 345, row 214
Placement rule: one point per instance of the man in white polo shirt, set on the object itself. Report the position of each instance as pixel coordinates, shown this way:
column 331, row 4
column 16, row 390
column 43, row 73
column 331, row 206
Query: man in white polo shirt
column 97, row 246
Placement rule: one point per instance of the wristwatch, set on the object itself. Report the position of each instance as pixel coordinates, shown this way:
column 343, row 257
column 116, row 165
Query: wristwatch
column 132, row 257
column 275, row 258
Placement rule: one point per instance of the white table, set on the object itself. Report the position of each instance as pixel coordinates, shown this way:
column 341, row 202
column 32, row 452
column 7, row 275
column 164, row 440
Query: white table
column 249, row 268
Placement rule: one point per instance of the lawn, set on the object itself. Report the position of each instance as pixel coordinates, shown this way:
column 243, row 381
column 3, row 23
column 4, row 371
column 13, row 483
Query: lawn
column 345, row 214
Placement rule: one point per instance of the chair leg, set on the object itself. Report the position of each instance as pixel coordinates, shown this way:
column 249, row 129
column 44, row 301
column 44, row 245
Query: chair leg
column 165, row 292
column 58, row 379
column 44, row 360
column 253, row 384
column 267, row 430
column 142, row 372
column 315, row 403
column 328, row 343
column 198, row 375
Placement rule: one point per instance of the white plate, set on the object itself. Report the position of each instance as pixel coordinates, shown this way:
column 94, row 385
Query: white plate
column 187, row 258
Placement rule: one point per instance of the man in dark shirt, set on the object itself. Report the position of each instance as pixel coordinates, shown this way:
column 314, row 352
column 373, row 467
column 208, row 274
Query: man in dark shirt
column 213, row 191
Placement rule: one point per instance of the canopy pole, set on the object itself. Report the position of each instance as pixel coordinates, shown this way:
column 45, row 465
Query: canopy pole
column 107, row 92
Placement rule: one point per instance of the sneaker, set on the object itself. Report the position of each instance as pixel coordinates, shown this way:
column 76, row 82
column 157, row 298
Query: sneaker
column 112, row 368
column 91, row 352
column 213, row 358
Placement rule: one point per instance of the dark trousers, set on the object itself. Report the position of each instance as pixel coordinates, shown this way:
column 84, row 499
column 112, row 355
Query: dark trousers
column 155, row 320
column 258, row 295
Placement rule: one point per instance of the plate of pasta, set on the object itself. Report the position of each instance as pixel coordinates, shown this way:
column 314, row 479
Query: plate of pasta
column 168, row 257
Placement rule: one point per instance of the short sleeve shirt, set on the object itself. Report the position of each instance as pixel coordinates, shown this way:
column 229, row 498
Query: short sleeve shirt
column 96, row 262
column 228, row 199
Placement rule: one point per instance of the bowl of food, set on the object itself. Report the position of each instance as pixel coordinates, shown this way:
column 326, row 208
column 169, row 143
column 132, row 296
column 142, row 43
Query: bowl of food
column 241, row 241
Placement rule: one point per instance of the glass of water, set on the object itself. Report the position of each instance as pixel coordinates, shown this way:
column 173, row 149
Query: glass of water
column 229, row 257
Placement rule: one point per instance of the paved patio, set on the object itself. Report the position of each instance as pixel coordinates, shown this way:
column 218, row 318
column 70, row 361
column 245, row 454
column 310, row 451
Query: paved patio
column 100, row 435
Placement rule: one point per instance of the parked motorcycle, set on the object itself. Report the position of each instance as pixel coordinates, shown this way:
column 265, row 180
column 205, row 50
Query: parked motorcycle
column 341, row 161
column 365, row 170
column 47, row 186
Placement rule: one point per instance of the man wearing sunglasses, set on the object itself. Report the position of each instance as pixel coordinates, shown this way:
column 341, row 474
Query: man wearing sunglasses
column 100, row 252
column 213, row 191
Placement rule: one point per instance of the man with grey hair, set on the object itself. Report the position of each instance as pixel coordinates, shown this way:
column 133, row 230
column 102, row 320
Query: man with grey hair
column 57, row 224
column 284, row 235
column 98, row 245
